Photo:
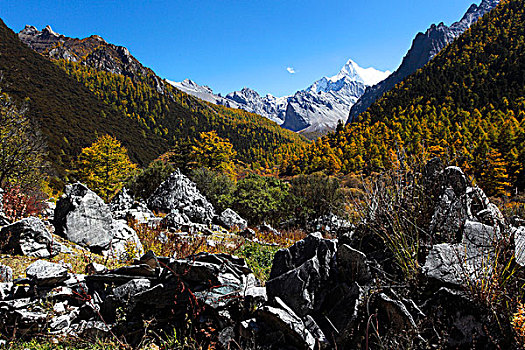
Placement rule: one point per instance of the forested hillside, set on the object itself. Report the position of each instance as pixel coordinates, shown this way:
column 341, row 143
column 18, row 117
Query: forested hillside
column 467, row 106
column 124, row 84
column 70, row 116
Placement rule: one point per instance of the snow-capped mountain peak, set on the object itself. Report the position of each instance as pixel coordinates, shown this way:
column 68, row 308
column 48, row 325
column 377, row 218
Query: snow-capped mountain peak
column 350, row 73
column 368, row 76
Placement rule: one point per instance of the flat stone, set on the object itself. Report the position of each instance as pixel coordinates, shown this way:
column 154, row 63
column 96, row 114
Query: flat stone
column 46, row 273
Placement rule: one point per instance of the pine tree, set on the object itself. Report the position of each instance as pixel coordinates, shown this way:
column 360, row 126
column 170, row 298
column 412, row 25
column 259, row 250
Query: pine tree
column 103, row 166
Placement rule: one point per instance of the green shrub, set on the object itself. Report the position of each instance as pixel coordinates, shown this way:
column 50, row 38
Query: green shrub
column 258, row 198
column 217, row 187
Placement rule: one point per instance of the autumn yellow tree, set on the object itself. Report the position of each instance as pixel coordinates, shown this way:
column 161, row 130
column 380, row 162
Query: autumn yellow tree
column 213, row 152
column 103, row 166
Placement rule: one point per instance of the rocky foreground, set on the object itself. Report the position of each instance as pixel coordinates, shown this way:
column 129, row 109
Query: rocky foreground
column 322, row 294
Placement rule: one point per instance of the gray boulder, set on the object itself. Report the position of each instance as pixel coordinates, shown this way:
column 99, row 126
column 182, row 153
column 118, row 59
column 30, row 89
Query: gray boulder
column 176, row 221
column 29, row 237
column 470, row 260
column 300, row 273
column 179, row 192
column 231, row 220
column 83, row 218
column 124, row 207
column 125, row 241
column 45, row 273
column 6, row 274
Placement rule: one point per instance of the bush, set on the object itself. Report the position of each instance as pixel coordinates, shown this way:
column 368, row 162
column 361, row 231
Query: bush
column 19, row 202
column 145, row 181
column 261, row 199
column 314, row 196
column 218, row 188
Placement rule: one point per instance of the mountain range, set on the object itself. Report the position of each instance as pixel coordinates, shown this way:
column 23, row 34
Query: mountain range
column 316, row 109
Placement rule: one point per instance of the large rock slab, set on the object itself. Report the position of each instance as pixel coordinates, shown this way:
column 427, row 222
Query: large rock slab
column 472, row 259
column 29, row 237
column 300, row 273
column 83, row 218
column 179, row 192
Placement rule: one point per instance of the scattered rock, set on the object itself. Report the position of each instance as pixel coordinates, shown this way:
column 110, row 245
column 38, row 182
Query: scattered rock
column 231, row 220
column 179, row 192
column 124, row 207
column 6, row 274
column 265, row 228
column 29, row 237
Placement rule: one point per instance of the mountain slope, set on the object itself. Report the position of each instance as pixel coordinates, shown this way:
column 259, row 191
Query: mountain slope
column 69, row 114
column 467, row 106
column 118, row 79
column 424, row 47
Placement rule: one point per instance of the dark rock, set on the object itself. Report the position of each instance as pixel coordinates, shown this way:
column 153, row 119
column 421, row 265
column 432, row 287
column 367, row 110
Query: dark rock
column 83, row 218
column 45, row 273
column 29, row 237
column 456, row 179
column 462, row 321
column 6, row 274
column 283, row 326
column 299, row 274
column 126, row 291
column 352, row 265
column 179, row 192
column 397, row 314
column 247, row 233
column 231, row 220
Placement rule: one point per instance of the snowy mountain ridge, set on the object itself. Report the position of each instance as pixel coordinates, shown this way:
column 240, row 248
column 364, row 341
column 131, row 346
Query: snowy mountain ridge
column 318, row 108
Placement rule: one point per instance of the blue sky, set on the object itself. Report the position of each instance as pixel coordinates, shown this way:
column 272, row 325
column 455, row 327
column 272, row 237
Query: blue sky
column 229, row 44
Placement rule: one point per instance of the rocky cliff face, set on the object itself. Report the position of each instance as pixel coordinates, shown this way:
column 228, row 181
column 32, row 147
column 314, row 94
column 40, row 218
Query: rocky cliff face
column 424, row 47
column 93, row 51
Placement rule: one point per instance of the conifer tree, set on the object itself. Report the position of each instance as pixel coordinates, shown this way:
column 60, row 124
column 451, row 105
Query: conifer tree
column 103, row 166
